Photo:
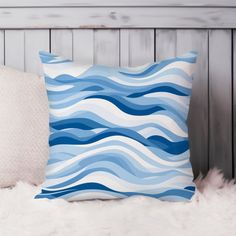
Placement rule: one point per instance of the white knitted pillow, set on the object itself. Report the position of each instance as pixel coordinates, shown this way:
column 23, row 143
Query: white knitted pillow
column 23, row 127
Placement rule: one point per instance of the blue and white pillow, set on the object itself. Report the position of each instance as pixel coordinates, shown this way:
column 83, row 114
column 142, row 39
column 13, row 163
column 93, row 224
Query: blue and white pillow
column 118, row 132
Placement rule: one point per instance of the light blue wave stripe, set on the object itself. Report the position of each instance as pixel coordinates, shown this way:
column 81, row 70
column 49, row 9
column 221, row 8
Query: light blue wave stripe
column 80, row 149
column 82, row 84
column 121, row 160
column 166, row 103
column 81, row 192
column 116, row 170
column 100, row 120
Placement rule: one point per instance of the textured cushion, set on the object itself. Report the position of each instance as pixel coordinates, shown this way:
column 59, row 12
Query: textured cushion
column 23, row 127
column 118, row 132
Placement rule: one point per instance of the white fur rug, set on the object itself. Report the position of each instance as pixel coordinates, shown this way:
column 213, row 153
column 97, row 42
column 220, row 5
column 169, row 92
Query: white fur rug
column 212, row 212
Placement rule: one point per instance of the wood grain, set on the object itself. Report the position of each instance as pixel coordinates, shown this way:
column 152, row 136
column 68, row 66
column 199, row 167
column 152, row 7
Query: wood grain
column 15, row 45
column 220, row 100
column 136, row 47
column 2, row 50
column 170, row 43
column 66, row 3
column 118, row 17
column 106, row 47
column 62, row 43
column 234, row 103
column 197, row 40
column 166, row 41
column 35, row 41
column 83, row 46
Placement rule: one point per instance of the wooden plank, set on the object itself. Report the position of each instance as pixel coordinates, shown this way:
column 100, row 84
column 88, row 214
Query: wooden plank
column 83, row 46
column 65, row 3
column 2, row 50
column 165, row 44
column 197, row 40
column 106, row 47
column 15, row 49
column 137, row 47
column 234, row 103
column 35, row 41
column 62, row 43
column 220, row 98
column 118, row 17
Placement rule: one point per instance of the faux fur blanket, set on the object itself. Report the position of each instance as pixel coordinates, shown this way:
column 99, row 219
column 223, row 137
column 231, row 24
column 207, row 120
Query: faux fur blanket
column 211, row 212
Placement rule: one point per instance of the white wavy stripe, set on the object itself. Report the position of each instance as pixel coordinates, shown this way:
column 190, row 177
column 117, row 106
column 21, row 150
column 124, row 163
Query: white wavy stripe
column 187, row 67
column 121, row 185
column 90, row 195
column 54, row 168
column 182, row 100
column 103, row 109
column 138, row 69
column 183, row 65
column 151, row 131
column 175, row 79
column 118, row 140
column 58, row 88
column 69, row 68
column 56, row 181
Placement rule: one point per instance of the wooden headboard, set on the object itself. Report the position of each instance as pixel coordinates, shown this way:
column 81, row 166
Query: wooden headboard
column 129, row 33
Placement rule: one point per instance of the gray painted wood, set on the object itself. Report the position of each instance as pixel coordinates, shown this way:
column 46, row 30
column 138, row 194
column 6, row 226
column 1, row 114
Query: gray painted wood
column 2, row 50
column 83, row 46
column 197, row 40
column 106, row 47
column 62, row 43
column 35, row 41
column 22, row 47
column 118, row 17
column 234, row 103
column 66, row 3
column 170, row 43
column 165, row 44
column 131, row 47
column 136, row 47
column 220, row 100
column 15, row 45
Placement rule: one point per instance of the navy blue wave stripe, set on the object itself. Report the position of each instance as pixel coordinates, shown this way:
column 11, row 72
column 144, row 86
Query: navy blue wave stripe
column 128, row 107
column 105, row 83
column 156, row 141
column 190, row 188
column 88, row 124
column 79, row 123
column 90, row 186
column 166, row 89
column 65, row 138
column 168, row 146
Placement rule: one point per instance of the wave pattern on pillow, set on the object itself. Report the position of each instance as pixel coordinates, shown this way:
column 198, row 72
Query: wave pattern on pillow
column 118, row 132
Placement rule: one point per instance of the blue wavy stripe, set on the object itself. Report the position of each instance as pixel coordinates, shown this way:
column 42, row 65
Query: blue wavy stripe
column 129, row 108
column 48, row 58
column 111, row 86
column 83, row 143
column 56, row 194
column 124, row 162
column 133, row 106
column 156, row 67
column 80, row 123
column 64, row 137
column 76, row 150
column 174, row 89
column 121, row 173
